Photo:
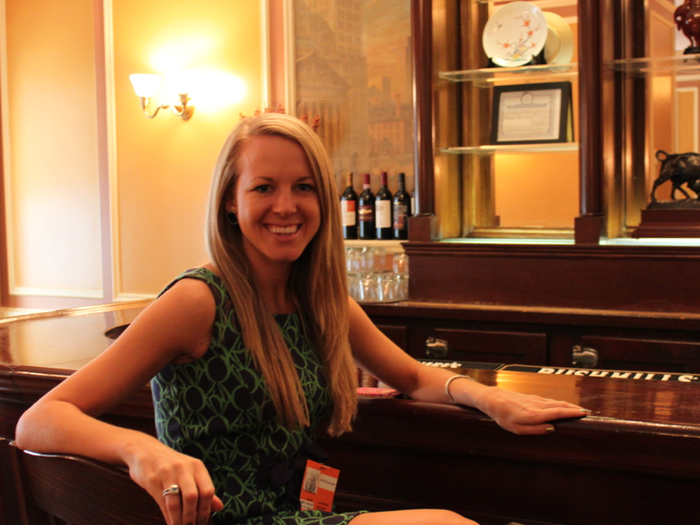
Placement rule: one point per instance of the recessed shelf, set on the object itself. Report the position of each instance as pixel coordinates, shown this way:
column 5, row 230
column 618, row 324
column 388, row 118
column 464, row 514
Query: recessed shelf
column 542, row 4
column 489, row 76
column 677, row 64
column 558, row 147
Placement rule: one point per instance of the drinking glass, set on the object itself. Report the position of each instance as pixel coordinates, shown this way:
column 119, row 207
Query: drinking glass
column 390, row 288
column 402, row 287
column 354, row 287
column 366, row 259
column 401, row 263
column 370, row 291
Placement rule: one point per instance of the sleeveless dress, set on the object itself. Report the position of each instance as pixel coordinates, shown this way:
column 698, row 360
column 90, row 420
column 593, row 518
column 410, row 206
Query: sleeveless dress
column 218, row 410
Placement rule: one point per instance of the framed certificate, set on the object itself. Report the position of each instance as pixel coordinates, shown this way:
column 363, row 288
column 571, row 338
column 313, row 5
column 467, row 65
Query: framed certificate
column 532, row 113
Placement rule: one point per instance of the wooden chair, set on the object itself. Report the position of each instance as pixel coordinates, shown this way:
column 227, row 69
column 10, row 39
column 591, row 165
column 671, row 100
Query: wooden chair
column 12, row 509
column 72, row 490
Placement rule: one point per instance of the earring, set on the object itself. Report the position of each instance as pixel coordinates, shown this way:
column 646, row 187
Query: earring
column 232, row 218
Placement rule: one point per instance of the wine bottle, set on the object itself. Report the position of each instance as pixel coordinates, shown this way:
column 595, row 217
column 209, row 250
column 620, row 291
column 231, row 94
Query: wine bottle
column 402, row 209
column 366, row 211
column 348, row 209
column 383, row 211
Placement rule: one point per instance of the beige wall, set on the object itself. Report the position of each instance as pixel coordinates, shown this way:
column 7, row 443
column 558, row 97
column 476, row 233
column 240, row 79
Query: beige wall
column 50, row 148
column 104, row 204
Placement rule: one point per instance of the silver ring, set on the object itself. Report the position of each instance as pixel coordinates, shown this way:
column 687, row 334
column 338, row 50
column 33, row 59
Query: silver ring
column 172, row 489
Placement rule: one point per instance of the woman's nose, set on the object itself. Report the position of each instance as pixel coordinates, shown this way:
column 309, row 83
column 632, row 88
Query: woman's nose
column 285, row 203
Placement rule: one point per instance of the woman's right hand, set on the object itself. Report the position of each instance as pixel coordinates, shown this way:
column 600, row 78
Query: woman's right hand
column 155, row 467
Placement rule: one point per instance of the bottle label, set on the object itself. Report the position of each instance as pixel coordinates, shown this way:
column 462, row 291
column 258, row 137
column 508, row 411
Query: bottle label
column 366, row 213
column 383, row 214
column 400, row 212
column 348, row 212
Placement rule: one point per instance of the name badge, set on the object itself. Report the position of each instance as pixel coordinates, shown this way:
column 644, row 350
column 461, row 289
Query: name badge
column 318, row 487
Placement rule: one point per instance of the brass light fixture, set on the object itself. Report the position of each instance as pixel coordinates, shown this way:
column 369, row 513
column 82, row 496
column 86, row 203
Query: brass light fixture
column 146, row 85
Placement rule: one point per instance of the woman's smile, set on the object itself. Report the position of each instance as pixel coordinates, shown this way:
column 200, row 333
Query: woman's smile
column 283, row 230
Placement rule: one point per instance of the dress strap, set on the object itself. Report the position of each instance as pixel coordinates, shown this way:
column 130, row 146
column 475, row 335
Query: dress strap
column 213, row 281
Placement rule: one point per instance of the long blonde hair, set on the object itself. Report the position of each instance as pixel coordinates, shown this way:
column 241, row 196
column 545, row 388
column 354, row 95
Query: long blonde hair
column 318, row 280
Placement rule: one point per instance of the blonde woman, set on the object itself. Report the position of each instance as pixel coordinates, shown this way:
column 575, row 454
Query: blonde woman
column 248, row 353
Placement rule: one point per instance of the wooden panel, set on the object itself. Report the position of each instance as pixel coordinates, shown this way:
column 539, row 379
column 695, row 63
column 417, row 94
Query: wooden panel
column 397, row 334
column 634, row 354
column 631, row 278
column 494, row 347
column 472, row 463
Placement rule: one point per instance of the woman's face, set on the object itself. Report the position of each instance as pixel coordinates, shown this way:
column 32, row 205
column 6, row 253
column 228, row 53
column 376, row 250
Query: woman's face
column 276, row 201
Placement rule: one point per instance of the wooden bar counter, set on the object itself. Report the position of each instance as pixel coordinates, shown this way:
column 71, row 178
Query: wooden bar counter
column 635, row 460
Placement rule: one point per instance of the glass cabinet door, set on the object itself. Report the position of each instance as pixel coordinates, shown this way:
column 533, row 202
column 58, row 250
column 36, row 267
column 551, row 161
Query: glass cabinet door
column 516, row 188
column 639, row 94
column 657, row 96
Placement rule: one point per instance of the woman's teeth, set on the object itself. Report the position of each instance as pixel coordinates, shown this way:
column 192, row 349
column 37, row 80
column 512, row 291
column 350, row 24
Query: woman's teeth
column 283, row 230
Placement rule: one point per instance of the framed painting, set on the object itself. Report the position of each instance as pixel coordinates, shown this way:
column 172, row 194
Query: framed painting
column 348, row 71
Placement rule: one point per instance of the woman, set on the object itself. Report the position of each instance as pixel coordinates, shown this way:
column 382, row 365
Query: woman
column 250, row 351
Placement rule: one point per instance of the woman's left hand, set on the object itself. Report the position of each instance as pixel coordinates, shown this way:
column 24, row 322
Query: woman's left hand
column 524, row 413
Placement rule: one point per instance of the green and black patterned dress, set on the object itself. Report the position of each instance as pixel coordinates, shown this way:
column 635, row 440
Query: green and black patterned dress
column 217, row 409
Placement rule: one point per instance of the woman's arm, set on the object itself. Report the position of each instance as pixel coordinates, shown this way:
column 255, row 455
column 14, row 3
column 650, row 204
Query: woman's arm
column 518, row 413
column 176, row 327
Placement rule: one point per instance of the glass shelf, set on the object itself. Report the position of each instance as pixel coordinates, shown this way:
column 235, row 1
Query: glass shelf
column 558, row 147
column 542, row 4
column 489, row 76
column 678, row 64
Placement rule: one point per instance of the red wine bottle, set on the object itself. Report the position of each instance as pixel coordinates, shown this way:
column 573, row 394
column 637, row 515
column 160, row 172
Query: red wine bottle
column 402, row 209
column 348, row 209
column 366, row 211
column 383, row 211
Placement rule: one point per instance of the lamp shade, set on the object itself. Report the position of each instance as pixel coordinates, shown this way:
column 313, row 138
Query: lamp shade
column 145, row 85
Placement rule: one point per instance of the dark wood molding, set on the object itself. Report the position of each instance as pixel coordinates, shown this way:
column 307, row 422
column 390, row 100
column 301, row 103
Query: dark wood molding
column 422, row 48
column 588, row 229
column 610, row 277
column 591, row 116
column 422, row 228
column 490, row 315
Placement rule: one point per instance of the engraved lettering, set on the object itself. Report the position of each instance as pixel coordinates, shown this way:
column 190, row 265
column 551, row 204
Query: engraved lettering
column 620, row 375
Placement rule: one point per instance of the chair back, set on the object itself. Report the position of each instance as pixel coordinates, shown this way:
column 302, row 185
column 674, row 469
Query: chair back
column 80, row 491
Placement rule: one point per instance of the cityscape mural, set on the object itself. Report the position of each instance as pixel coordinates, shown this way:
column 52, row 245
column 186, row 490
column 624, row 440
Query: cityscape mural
column 353, row 74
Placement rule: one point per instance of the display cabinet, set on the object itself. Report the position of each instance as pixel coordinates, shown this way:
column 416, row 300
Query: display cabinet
column 637, row 96
column 603, row 276
column 623, row 116
column 512, row 190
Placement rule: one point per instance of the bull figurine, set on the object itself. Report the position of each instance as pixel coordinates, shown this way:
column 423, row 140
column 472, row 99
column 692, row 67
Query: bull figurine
column 679, row 168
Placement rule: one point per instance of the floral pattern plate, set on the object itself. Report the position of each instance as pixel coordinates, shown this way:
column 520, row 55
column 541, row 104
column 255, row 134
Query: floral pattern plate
column 514, row 34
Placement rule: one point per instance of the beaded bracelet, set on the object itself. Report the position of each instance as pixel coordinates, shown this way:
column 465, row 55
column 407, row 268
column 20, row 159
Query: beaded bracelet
column 447, row 386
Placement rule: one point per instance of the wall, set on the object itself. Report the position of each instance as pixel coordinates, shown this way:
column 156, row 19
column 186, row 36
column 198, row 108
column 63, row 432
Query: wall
column 50, row 149
column 102, row 203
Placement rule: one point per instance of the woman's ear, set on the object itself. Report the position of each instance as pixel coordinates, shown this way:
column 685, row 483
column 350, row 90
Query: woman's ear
column 230, row 201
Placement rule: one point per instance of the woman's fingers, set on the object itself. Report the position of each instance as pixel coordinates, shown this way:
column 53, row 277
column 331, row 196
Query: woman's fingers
column 205, row 498
column 180, row 484
column 528, row 414
column 173, row 506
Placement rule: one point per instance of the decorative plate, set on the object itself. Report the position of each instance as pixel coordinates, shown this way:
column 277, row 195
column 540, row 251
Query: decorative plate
column 514, row 34
column 559, row 46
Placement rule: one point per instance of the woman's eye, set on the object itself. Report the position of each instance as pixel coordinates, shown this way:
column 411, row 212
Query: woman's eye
column 264, row 188
column 306, row 187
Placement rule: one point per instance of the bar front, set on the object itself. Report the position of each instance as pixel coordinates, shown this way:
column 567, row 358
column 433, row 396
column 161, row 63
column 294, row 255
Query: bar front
column 634, row 460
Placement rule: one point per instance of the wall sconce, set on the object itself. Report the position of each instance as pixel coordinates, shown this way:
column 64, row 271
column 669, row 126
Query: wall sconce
column 146, row 86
